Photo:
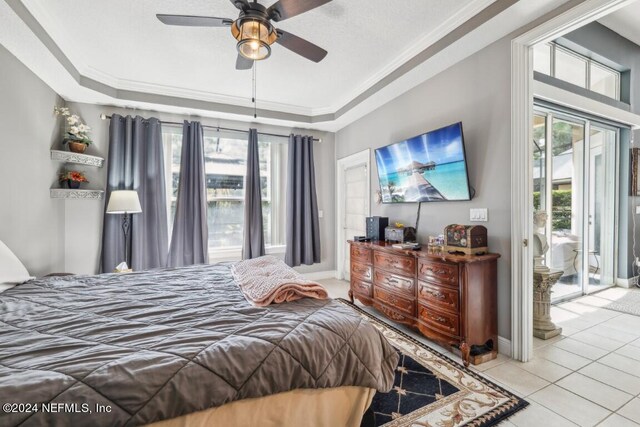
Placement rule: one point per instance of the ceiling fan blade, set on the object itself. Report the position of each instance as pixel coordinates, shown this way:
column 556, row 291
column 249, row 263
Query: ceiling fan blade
column 243, row 63
column 285, row 9
column 241, row 4
column 301, row 46
column 194, row 21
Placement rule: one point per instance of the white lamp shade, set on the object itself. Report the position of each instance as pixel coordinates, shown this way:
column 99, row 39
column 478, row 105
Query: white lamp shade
column 124, row 201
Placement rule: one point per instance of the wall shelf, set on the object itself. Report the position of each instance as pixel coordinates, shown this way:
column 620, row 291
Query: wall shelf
column 77, row 158
column 63, row 193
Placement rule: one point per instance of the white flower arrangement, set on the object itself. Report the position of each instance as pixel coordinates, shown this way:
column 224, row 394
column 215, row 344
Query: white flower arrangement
column 76, row 131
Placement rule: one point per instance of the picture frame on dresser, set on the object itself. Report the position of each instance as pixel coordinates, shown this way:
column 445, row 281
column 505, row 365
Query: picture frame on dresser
column 449, row 298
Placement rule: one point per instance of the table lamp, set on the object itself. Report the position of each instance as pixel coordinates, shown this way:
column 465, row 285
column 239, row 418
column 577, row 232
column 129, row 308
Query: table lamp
column 124, row 202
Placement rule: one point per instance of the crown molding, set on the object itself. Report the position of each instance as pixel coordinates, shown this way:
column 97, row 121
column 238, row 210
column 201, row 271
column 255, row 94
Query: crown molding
column 446, row 27
column 65, row 44
column 471, row 29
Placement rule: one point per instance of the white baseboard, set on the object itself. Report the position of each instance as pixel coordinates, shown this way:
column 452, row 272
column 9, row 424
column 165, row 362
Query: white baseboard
column 320, row 275
column 504, row 346
column 627, row 283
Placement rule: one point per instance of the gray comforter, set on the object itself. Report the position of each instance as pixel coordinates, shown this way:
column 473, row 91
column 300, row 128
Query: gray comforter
column 156, row 345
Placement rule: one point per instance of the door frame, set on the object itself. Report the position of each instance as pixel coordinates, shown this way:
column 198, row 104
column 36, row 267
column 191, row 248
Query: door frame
column 362, row 157
column 522, row 84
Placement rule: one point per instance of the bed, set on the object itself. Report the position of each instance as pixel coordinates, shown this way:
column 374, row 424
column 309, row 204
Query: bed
column 182, row 347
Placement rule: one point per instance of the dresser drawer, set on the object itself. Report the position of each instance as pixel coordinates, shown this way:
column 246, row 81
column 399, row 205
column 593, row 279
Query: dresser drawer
column 395, row 263
column 440, row 320
column 437, row 335
column 438, row 296
column 438, row 272
column 361, row 271
column 360, row 254
column 394, row 300
column 400, row 284
column 393, row 314
column 361, row 287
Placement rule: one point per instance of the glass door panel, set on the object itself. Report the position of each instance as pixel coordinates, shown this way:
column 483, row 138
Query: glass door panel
column 601, row 208
column 566, row 203
column 575, row 183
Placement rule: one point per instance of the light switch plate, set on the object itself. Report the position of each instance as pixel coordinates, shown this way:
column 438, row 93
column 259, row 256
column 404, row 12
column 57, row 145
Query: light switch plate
column 478, row 215
column 638, row 209
column 320, row 214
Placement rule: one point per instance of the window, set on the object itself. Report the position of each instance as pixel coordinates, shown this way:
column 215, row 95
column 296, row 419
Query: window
column 564, row 64
column 571, row 68
column 604, row 80
column 225, row 167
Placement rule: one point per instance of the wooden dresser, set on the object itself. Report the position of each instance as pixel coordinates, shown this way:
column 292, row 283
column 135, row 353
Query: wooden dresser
column 449, row 298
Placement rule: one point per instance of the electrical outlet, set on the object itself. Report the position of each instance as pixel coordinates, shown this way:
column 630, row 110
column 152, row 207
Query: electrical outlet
column 478, row 215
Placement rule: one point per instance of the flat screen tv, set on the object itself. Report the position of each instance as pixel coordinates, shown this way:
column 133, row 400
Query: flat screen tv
column 427, row 168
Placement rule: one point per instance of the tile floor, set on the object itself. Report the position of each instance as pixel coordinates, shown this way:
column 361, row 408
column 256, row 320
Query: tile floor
column 588, row 376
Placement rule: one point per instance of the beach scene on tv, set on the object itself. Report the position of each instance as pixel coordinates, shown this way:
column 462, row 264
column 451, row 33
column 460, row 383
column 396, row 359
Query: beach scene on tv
column 429, row 167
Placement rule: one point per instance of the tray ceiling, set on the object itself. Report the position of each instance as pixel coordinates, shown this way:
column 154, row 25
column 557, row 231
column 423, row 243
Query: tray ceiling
column 118, row 53
column 120, row 42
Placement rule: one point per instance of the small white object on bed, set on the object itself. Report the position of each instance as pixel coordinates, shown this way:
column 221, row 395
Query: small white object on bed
column 12, row 271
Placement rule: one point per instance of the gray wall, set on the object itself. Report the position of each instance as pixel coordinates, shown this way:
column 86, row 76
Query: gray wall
column 602, row 44
column 475, row 91
column 31, row 223
column 84, row 218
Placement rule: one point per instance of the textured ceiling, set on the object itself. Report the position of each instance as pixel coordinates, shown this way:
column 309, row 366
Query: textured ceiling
column 120, row 42
column 625, row 22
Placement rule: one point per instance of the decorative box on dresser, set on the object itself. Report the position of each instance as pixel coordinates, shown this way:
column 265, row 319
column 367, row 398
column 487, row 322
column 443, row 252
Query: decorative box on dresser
column 449, row 298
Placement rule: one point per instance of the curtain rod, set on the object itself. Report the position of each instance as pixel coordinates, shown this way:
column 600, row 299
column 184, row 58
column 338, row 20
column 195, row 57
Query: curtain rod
column 218, row 128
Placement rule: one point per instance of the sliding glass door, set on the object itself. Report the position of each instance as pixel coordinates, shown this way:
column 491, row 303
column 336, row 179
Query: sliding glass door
column 575, row 184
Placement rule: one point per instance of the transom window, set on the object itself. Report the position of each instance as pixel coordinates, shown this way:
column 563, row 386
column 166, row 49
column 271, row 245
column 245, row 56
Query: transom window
column 564, row 64
column 225, row 167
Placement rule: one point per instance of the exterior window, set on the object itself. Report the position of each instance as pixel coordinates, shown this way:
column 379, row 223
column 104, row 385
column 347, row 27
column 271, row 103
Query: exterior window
column 564, row 64
column 225, row 167
column 604, row 80
column 571, row 68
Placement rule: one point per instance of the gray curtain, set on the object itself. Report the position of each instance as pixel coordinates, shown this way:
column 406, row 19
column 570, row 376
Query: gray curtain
column 303, row 227
column 136, row 162
column 253, row 244
column 190, row 237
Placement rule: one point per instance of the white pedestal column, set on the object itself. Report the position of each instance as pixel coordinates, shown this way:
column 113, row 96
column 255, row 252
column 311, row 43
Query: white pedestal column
column 543, row 281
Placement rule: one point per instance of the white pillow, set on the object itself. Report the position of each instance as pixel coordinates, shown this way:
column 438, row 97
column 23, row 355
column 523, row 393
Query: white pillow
column 11, row 269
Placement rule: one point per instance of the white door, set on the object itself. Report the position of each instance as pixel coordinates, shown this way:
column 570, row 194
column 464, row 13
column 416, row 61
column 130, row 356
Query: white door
column 353, row 205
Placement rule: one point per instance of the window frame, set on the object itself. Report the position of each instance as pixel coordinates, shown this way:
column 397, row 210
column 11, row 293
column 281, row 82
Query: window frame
column 276, row 189
column 616, row 73
column 555, row 47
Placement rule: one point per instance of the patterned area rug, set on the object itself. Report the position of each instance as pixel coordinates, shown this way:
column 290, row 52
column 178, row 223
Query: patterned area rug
column 431, row 390
column 629, row 303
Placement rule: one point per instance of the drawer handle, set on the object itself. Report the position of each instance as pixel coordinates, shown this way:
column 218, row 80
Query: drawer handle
column 392, row 281
column 438, row 319
column 437, row 294
column 440, row 271
column 399, row 264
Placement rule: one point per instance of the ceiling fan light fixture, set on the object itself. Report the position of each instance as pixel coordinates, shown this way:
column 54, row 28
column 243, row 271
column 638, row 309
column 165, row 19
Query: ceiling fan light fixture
column 254, row 38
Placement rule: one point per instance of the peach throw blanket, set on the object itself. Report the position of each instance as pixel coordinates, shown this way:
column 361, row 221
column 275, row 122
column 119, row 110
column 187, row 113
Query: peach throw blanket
column 268, row 280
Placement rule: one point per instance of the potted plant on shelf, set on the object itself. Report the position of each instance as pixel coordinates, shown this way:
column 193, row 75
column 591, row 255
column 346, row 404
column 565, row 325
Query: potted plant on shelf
column 76, row 132
column 73, row 179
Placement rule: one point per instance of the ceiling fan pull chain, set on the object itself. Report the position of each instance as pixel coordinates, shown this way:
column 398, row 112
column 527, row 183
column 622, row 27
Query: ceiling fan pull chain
column 255, row 92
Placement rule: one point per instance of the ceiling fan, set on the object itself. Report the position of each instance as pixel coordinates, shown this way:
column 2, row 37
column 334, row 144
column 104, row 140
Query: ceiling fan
column 254, row 30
